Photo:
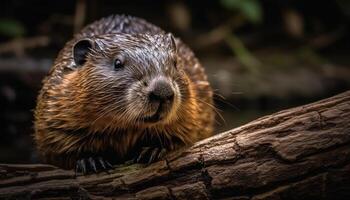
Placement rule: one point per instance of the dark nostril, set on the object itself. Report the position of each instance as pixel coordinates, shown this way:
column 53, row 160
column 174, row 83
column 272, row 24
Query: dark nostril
column 154, row 97
column 162, row 92
column 145, row 83
column 170, row 97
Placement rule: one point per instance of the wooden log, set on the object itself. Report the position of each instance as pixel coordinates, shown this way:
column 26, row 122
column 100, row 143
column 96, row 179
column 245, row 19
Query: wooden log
column 299, row 153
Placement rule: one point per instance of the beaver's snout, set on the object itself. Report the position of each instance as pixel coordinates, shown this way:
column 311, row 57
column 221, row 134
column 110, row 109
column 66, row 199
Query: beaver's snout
column 161, row 97
column 161, row 93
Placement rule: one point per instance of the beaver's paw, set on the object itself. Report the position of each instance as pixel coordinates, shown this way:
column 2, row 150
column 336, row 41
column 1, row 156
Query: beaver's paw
column 150, row 154
column 92, row 165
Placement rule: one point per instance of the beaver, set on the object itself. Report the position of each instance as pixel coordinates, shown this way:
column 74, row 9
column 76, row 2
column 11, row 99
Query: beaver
column 122, row 89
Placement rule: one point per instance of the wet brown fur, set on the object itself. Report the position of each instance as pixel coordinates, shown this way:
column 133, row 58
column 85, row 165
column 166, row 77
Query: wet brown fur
column 68, row 120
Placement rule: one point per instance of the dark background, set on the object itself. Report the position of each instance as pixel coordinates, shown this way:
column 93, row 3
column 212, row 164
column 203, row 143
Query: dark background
column 260, row 56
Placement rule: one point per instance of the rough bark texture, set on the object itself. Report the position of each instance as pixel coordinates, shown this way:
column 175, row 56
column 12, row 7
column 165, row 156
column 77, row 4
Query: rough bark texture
column 300, row 153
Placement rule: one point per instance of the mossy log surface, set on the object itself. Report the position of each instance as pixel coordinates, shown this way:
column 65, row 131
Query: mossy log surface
column 299, row 153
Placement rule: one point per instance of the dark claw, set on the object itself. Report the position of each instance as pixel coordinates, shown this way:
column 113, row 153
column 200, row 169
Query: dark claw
column 93, row 164
column 154, row 154
column 109, row 165
column 142, row 154
column 77, row 168
column 83, row 166
column 102, row 163
column 150, row 154
column 162, row 153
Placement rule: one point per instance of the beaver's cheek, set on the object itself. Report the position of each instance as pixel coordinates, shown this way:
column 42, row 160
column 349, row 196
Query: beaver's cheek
column 172, row 110
column 136, row 100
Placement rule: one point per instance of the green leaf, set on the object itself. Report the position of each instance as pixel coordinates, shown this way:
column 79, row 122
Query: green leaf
column 251, row 9
column 11, row 28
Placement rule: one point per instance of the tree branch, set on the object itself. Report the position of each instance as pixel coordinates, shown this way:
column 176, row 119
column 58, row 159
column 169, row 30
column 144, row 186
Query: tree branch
column 300, row 153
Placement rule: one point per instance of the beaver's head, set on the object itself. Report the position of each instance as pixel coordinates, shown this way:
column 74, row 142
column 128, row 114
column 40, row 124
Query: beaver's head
column 129, row 79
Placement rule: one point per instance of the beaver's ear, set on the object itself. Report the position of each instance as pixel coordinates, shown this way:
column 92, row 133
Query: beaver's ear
column 172, row 41
column 81, row 50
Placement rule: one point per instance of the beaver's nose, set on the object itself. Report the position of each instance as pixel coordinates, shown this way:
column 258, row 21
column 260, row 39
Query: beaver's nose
column 161, row 92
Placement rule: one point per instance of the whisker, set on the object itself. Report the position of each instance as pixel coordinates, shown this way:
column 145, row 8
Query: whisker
column 219, row 97
column 216, row 110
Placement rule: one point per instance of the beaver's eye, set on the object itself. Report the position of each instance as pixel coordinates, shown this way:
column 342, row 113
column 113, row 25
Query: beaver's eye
column 118, row 64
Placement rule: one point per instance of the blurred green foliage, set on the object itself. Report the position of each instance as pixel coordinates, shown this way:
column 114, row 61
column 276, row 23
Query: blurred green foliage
column 11, row 28
column 246, row 58
column 251, row 9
